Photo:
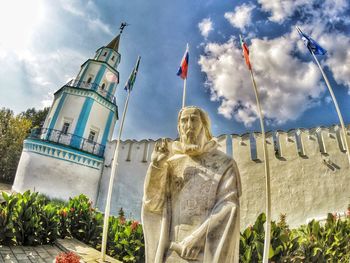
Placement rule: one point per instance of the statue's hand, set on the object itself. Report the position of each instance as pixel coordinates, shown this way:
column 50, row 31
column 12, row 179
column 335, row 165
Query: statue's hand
column 160, row 153
column 188, row 248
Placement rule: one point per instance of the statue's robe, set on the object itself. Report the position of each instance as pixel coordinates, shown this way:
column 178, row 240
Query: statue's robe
column 188, row 196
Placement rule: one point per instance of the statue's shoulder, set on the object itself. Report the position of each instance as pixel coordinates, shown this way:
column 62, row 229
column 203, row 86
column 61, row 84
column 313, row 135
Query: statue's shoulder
column 220, row 156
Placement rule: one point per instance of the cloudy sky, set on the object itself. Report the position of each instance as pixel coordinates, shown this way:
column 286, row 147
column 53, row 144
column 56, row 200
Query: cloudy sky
column 43, row 44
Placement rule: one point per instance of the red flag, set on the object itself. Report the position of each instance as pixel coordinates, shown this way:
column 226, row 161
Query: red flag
column 182, row 72
column 245, row 52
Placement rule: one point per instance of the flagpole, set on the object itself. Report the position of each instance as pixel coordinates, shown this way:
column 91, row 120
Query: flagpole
column 185, row 81
column 184, row 93
column 111, row 180
column 267, row 174
column 335, row 104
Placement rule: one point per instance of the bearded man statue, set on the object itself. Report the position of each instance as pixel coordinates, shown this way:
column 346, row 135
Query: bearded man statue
column 190, row 209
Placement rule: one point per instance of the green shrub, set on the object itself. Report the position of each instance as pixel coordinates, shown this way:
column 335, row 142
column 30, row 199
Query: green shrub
column 32, row 219
column 7, row 235
column 125, row 240
column 85, row 222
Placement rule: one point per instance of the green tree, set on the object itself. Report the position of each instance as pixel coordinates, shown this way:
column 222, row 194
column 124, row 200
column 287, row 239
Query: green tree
column 13, row 130
column 37, row 117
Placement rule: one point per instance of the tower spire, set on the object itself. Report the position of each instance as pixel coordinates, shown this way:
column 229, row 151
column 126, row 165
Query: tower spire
column 114, row 44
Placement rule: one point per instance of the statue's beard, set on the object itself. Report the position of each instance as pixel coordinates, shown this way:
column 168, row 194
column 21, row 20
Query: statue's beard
column 191, row 143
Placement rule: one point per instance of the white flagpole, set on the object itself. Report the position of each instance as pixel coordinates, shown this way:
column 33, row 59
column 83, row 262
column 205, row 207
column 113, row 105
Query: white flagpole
column 185, row 82
column 336, row 106
column 111, row 180
column 267, row 174
column 184, row 93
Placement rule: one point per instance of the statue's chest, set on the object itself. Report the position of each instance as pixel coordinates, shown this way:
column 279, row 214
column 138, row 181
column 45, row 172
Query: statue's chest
column 193, row 187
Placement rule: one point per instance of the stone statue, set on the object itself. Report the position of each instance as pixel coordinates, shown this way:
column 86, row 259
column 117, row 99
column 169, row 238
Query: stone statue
column 190, row 209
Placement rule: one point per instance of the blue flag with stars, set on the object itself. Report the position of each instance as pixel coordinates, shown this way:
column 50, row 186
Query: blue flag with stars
column 311, row 44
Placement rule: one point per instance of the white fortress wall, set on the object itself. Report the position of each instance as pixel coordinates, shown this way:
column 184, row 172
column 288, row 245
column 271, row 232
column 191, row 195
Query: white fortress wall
column 134, row 158
column 57, row 171
column 310, row 174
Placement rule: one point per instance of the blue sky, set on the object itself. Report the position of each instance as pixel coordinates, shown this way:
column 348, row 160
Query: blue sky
column 43, row 44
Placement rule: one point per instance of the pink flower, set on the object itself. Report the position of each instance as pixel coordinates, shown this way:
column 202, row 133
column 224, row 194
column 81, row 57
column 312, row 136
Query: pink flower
column 72, row 209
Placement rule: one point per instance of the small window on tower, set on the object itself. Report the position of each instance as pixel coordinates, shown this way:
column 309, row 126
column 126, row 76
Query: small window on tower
column 103, row 86
column 105, row 54
column 65, row 127
column 89, row 80
column 112, row 58
column 92, row 136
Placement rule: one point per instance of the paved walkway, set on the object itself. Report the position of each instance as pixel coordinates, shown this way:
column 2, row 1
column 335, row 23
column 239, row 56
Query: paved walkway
column 48, row 253
column 86, row 253
column 21, row 254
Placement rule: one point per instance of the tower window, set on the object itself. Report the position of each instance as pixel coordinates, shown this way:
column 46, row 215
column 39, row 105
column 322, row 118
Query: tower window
column 105, row 54
column 112, row 58
column 103, row 86
column 89, row 80
column 92, row 136
column 65, row 127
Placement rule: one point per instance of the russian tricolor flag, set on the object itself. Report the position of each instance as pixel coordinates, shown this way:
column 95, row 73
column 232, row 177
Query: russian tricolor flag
column 182, row 72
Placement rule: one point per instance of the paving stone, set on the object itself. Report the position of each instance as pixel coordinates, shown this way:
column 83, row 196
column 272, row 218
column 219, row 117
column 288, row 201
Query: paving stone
column 44, row 255
column 10, row 261
column 38, row 260
column 3, row 248
column 28, row 248
column 32, row 255
column 53, row 251
column 17, row 249
column 24, row 261
column 39, row 249
column 20, row 256
column 9, row 256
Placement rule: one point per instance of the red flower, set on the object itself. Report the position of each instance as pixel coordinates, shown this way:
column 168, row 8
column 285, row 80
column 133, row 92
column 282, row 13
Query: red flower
column 72, row 209
column 68, row 257
column 134, row 225
column 63, row 213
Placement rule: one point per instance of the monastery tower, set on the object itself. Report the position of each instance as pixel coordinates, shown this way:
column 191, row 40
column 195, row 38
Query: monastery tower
column 65, row 157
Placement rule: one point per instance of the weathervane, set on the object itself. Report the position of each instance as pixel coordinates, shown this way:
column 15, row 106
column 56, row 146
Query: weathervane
column 122, row 25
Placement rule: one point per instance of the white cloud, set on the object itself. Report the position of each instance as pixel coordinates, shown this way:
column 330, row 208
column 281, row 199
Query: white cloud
column 281, row 9
column 329, row 10
column 205, row 27
column 241, row 17
column 88, row 12
column 287, row 86
column 338, row 58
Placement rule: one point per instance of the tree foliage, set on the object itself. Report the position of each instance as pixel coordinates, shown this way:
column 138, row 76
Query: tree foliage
column 13, row 130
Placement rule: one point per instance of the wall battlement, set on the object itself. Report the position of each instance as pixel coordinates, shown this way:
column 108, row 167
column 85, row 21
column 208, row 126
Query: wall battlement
column 282, row 145
column 309, row 170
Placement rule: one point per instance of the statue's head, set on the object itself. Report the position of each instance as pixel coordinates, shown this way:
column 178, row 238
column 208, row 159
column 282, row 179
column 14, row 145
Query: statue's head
column 194, row 126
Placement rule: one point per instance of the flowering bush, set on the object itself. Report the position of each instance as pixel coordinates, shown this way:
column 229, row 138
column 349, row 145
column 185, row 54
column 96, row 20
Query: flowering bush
column 68, row 257
column 314, row 242
column 31, row 219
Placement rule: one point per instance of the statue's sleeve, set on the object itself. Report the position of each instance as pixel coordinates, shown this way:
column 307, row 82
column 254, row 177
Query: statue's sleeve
column 155, row 188
column 222, row 236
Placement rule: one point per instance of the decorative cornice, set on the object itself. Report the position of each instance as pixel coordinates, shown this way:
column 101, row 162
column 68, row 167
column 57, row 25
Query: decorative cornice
column 62, row 153
column 89, row 93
